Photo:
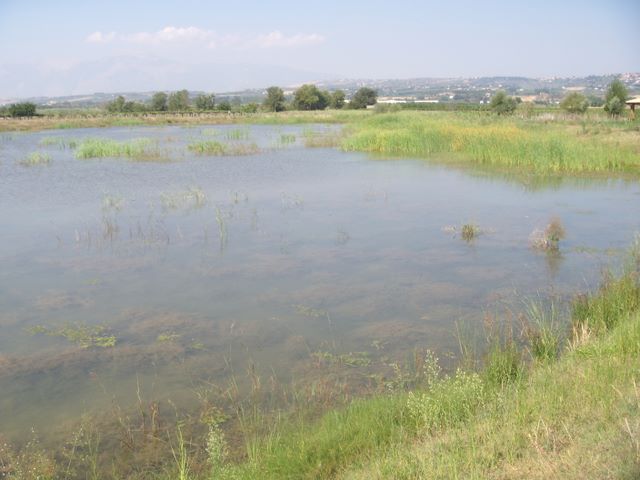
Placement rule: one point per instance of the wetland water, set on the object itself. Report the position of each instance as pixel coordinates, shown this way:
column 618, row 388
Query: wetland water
column 200, row 266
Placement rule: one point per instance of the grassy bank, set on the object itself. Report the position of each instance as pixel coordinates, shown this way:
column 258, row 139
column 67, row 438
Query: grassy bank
column 539, row 145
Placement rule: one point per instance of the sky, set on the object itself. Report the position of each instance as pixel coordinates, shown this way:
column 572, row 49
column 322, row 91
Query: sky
column 73, row 47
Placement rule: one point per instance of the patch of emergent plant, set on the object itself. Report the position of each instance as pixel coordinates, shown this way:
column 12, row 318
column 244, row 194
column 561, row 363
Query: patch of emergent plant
column 194, row 197
column 237, row 134
column 35, row 159
column 60, row 142
column 215, row 148
column 549, row 238
column 136, row 149
column 468, row 231
column 112, row 202
column 84, row 336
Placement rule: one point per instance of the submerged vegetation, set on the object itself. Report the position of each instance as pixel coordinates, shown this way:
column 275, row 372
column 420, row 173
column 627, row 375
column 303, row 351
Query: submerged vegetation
column 82, row 335
column 558, row 397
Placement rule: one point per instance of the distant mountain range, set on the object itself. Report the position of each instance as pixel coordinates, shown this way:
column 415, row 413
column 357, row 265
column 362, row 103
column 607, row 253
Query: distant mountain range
column 243, row 83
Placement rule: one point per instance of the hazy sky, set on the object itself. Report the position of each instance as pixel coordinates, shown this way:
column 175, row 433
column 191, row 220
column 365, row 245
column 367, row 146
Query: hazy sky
column 66, row 45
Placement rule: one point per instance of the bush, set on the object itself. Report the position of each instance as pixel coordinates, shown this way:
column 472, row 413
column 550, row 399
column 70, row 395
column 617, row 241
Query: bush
column 363, row 98
column 575, row 103
column 503, row 104
column 616, row 96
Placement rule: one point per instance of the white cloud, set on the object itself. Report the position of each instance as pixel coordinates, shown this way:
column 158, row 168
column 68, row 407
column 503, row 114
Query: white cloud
column 208, row 38
column 99, row 37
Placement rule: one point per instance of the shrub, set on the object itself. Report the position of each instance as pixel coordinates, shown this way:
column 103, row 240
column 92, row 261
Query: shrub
column 575, row 103
column 502, row 104
column 25, row 109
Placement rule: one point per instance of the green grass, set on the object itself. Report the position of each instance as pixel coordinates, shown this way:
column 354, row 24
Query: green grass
column 486, row 140
column 136, row 149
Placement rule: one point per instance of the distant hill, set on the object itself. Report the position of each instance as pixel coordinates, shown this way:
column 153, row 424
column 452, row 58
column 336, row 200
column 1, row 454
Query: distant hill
column 475, row 90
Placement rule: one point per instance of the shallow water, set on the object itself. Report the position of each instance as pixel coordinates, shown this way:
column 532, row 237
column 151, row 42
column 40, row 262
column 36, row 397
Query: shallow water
column 279, row 255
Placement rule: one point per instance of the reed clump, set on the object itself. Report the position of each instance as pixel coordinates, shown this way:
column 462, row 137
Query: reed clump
column 136, row 149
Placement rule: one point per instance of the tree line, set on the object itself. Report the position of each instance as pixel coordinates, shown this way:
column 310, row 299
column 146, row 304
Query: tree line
column 307, row 97
column 574, row 102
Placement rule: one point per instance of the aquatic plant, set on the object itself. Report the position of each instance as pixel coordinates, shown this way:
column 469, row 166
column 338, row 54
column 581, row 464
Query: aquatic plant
column 212, row 147
column 136, row 149
column 112, row 202
column 60, row 142
column 35, row 159
column 208, row 147
column 469, row 232
column 237, row 134
column 549, row 238
column 193, row 197
column 83, row 335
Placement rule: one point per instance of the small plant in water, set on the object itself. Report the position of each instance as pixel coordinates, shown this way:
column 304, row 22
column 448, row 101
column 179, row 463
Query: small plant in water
column 36, row 158
column 469, row 232
column 549, row 238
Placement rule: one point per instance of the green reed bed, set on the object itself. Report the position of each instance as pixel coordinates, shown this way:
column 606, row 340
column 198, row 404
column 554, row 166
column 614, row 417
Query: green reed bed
column 488, row 140
column 136, row 149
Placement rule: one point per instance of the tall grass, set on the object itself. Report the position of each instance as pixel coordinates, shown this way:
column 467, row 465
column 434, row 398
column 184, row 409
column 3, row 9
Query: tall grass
column 136, row 149
column 489, row 141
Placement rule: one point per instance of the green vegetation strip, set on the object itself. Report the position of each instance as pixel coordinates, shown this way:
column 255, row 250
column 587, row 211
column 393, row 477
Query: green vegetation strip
column 491, row 141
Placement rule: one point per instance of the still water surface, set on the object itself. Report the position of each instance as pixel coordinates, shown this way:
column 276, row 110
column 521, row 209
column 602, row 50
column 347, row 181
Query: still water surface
column 202, row 265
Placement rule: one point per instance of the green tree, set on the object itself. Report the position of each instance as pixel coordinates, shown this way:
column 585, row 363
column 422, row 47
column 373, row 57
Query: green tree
column 275, row 100
column 575, row 103
column 502, row 104
column 337, row 99
column 224, row 106
column 309, row 97
column 363, row 98
column 249, row 108
column 159, row 102
column 24, row 109
column 616, row 95
column 205, row 102
column 178, row 101
column 615, row 106
column 117, row 105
